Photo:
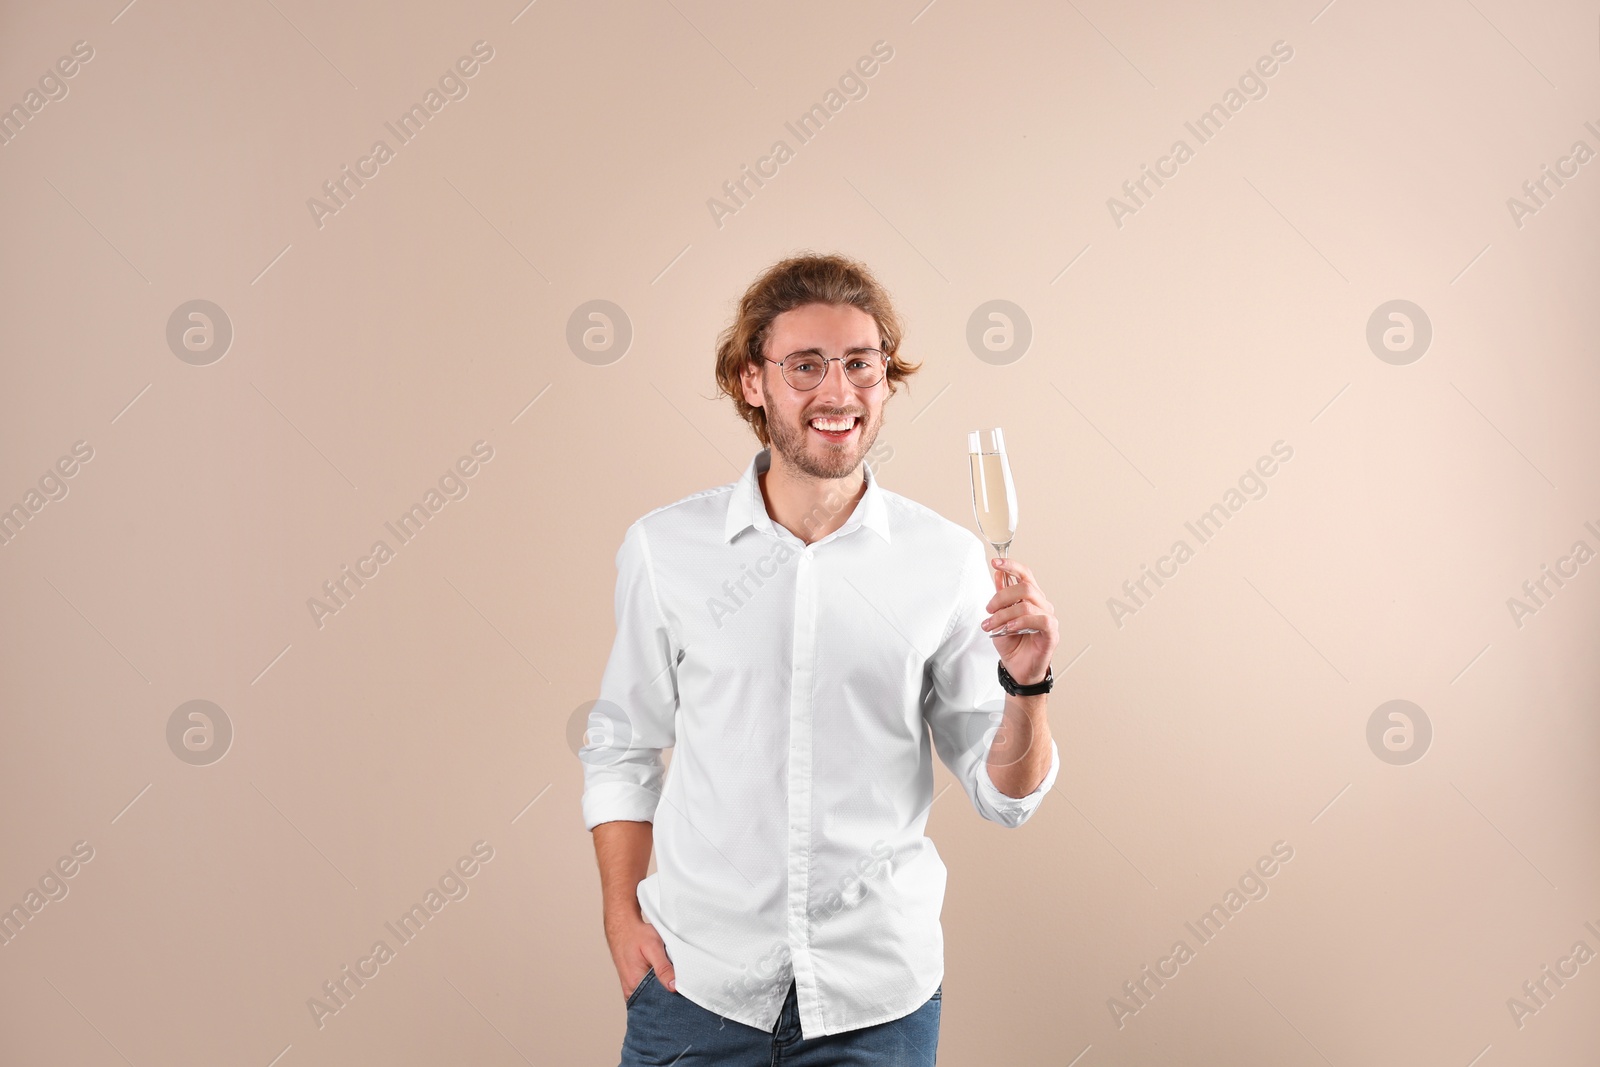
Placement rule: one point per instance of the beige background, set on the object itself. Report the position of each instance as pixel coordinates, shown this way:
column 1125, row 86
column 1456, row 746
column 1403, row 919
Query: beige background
column 433, row 711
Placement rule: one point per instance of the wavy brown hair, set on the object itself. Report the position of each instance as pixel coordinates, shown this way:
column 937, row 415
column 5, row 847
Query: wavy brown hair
column 807, row 278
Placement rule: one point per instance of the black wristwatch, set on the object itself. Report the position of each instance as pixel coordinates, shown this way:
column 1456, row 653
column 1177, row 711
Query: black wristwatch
column 1017, row 689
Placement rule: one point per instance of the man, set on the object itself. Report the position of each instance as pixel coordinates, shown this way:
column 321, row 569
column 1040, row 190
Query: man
column 795, row 637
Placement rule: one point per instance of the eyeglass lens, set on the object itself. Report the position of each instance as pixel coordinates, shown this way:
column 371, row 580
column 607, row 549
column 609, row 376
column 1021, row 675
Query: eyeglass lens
column 805, row 371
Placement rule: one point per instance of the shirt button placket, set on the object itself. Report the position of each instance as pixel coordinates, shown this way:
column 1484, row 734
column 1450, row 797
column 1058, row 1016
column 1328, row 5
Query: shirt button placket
column 801, row 684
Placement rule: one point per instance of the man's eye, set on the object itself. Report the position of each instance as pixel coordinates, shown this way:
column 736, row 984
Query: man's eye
column 803, row 365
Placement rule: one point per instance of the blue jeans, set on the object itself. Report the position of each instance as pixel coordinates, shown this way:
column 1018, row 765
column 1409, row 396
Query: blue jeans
column 667, row 1028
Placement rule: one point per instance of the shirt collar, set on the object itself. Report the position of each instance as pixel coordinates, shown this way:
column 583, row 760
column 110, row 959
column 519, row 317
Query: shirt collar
column 747, row 508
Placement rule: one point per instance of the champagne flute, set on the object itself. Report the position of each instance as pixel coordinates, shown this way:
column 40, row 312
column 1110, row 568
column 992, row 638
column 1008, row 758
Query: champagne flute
column 994, row 499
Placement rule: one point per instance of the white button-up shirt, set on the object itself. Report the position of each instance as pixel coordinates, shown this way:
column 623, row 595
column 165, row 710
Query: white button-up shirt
column 797, row 686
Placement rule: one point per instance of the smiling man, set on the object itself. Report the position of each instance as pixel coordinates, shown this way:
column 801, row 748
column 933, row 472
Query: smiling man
column 794, row 912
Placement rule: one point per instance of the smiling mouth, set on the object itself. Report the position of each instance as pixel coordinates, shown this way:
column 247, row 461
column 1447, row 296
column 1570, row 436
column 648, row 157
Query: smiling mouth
column 835, row 428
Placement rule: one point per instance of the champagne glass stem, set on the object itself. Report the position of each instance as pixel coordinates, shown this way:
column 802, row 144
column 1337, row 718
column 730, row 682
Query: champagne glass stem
column 1004, row 552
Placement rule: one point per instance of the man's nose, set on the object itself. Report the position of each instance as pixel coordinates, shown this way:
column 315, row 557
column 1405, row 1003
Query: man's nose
column 834, row 385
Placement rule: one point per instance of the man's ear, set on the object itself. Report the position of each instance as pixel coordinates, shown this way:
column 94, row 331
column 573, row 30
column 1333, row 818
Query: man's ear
column 750, row 378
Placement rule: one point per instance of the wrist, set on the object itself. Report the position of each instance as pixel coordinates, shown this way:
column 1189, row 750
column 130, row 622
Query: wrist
column 1019, row 687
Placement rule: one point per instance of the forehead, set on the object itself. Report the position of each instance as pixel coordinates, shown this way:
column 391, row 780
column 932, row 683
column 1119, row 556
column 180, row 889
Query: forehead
column 826, row 326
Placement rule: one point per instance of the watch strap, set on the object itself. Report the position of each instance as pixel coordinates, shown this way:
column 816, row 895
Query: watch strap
column 1017, row 689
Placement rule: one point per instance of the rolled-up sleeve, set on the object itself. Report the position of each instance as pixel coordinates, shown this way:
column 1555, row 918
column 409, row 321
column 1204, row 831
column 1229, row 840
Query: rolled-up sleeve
column 965, row 702
column 633, row 720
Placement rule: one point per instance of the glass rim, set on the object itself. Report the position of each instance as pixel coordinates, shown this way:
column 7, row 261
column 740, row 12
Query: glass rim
column 975, row 442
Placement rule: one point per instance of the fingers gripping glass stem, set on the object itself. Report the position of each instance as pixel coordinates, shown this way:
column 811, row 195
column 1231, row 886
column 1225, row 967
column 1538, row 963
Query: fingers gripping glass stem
column 1009, row 579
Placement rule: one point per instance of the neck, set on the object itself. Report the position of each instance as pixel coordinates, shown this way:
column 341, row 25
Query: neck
column 810, row 508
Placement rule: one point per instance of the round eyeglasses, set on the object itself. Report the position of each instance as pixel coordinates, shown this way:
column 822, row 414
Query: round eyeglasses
column 863, row 368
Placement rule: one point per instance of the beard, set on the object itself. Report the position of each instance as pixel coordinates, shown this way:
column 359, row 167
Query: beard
column 814, row 456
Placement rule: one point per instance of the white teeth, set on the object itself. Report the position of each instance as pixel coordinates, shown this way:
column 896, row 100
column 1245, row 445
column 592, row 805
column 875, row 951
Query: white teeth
column 836, row 424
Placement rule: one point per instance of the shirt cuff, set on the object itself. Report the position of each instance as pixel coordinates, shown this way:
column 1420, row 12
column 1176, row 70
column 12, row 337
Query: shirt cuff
column 1009, row 810
column 609, row 801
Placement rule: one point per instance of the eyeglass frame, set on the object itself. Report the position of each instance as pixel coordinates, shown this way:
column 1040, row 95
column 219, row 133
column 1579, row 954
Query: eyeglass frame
column 817, row 354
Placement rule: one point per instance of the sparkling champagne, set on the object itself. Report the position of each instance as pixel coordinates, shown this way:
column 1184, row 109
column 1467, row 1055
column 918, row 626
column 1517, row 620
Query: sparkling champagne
column 994, row 498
